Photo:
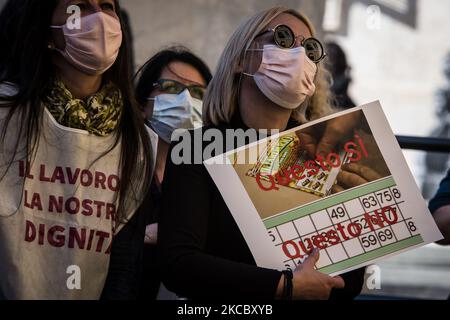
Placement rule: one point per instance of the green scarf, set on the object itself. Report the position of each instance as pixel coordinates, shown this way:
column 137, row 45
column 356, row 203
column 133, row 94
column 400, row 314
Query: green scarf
column 98, row 114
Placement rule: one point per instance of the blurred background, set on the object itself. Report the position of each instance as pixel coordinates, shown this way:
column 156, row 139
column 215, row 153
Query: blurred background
column 397, row 51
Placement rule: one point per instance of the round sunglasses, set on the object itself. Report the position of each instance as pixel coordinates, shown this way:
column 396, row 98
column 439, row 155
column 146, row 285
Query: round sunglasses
column 285, row 38
column 175, row 87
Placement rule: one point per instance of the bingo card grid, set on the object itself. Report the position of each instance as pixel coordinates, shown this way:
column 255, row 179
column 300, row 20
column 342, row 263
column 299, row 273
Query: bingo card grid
column 345, row 208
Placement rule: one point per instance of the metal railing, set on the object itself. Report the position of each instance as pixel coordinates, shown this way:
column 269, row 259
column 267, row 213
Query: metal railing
column 424, row 144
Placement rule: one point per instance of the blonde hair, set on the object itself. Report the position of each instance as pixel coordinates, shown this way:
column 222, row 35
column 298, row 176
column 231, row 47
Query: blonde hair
column 222, row 97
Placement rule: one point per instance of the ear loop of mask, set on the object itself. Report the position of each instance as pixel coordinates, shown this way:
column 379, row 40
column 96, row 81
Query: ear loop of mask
column 257, row 49
column 245, row 73
column 250, row 62
column 148, row 120
column 240, row 80
column 52, row 46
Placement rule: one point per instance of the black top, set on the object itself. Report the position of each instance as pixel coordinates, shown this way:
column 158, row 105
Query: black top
column 150, row 280
column 442, row 197
column 203, row 254
column 125, row 266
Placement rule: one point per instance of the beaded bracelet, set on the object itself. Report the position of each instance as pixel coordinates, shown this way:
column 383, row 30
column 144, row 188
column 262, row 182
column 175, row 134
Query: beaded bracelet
column 288, row 287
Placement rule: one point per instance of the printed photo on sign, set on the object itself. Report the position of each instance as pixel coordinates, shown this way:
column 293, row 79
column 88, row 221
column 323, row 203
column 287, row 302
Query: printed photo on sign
column 290, row 170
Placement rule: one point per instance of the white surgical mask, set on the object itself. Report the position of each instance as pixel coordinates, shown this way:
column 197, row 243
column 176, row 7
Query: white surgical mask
column 285, row 76
column 94, row 48
column 175, row 111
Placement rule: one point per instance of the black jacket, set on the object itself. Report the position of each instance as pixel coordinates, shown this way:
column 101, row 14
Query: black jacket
column 442, row 197
column 125, row 266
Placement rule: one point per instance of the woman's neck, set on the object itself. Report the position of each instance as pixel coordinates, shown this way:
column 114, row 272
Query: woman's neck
column 258, row 112
column 266, row 117
column 80, row 84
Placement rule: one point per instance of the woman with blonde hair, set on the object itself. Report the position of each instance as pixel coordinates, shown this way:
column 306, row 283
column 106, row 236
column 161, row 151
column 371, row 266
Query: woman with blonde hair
column 268, row 77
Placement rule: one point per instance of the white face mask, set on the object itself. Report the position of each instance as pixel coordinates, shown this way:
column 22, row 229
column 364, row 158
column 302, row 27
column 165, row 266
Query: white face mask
column 94, row 48
column 285, row 76
column 175, row 111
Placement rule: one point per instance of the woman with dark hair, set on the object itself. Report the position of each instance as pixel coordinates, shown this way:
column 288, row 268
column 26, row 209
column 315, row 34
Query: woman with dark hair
column 170, row 91
column 75, row 157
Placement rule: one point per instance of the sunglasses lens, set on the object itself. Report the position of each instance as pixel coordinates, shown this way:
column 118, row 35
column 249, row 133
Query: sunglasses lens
column 284, row 37
column 314, row 49
column 170, row 87
column 197, row 92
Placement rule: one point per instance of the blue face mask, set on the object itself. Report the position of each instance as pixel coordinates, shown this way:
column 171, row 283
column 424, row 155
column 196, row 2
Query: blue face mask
column 175, row 111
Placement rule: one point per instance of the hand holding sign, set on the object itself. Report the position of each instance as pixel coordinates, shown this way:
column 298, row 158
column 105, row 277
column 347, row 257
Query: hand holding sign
column 310, row 284
column 151, row 234
column 354, row 175
column 320, row 140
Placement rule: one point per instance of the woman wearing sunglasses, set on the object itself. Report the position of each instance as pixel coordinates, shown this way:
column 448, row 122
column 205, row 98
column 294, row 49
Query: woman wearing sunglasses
column 269, row 76
column 170, row 90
